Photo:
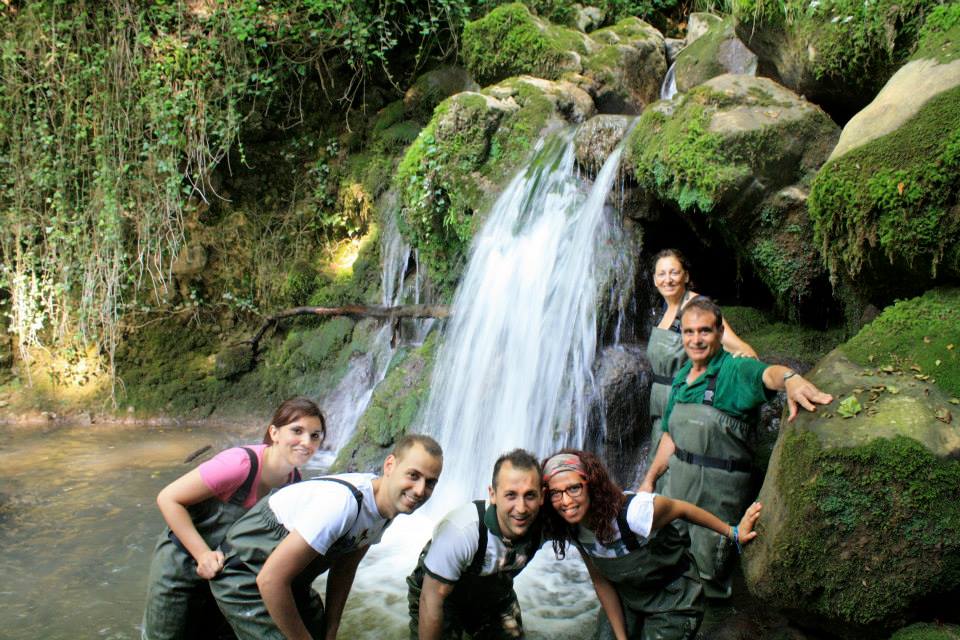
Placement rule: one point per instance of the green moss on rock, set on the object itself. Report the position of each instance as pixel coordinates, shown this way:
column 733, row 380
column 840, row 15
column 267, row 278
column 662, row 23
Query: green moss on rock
column 888, row 211
column 927, row 631
column 775, row 340
column 940, row 36
column 395, row 404
column 510, row 41
column 923, row 332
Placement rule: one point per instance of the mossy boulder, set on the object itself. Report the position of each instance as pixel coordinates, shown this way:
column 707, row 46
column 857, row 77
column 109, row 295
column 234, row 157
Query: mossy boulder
column 621, row 66
column 861, row 512
column 734, row 156
column 886, row 207
column 838, row 53
column 395, row 404
column 714, row 53
column 459, row 162
column 432, row 87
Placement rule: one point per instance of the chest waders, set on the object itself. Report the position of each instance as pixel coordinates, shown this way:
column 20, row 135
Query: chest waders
column 711, row 468
column 485, row 606
column 179, row 604
column 666, row 355
column 657, row 583
column 249, row 543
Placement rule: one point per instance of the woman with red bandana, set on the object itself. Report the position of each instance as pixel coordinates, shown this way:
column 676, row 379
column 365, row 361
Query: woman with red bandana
column 640, row 564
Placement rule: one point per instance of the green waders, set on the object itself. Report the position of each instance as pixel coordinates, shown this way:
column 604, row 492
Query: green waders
column 179, row 602
column 666, row 355
column 485, row 607
column 249, row 543
column 711, row 468
column 658, row 586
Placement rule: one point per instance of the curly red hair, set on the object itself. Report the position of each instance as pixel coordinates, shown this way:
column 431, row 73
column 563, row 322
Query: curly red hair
column 606, row 500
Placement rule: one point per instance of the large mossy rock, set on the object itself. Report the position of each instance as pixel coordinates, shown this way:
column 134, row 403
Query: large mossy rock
column 886, row 207
column 621, row 66
column 734, row 157
column 457, row 165
column 715, row 52
column 838, row 53
column 596, row 139
column 395, row 404
column 858, row 531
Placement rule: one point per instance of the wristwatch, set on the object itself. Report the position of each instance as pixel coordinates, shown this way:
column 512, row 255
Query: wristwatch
column 789, row 374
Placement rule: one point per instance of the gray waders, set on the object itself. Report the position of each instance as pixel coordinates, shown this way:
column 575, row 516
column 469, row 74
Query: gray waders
column 657, row 583
column 249, row 543
column 179, row 602
column 666, row 355
column 485, row 607
column 712, row 468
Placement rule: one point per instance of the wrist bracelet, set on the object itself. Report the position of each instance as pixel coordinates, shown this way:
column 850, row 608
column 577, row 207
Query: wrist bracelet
column 736, row 538
column 789, row 374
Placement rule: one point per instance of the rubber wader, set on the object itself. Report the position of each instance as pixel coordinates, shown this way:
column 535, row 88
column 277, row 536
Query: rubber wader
column 666, row 355
column 711, row 468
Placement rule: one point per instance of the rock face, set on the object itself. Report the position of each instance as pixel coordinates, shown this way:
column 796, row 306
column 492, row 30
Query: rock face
column 433, row 86
column 837, row 54
column 739, row 150
column 861, row 513
column 715, row 52
column 886, row 207
column 621, row 66
column 473, row 143
column 597, row 138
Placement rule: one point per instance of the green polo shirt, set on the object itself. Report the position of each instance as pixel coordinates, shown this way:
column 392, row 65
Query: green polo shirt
column 740, row 389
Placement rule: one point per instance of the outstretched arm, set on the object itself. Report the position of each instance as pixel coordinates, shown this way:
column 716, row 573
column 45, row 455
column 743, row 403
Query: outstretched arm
column 800, row 391
column 339, row 582
column 733, row 343
column 173, row 501
column 286, row 562
column 660, row 462
column 609, row 600
column 666, row 510
column 432, row 596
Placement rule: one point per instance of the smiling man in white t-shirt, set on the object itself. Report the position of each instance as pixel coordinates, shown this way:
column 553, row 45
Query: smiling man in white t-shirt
column 280, row 546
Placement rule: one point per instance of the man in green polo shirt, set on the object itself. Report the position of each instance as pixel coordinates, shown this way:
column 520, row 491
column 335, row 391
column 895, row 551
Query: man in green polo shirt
column 710, row 431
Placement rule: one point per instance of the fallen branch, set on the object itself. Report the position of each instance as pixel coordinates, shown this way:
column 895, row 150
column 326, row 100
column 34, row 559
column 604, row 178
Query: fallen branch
column 394, row 314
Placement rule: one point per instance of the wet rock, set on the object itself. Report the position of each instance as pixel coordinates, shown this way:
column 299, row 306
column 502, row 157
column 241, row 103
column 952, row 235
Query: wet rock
column 588, row 18
column 737, row 627
column 232, row 362
column 432, row 87
column 715, row 52
column 698, row 24
column 858, row 512
column 673, row 47
column 597, row 138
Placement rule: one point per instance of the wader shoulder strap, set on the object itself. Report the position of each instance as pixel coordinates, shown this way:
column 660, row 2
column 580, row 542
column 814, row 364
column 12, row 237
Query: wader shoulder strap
column 627, row 535
column 356, row 492
column 295, row 476
column 711, row 391
column 477, row 564
column 240, row 495
column 675, row 325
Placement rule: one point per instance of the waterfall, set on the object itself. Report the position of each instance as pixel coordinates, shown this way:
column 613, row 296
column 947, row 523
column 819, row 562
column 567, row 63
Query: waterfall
column 669, row 87
column 515, row 368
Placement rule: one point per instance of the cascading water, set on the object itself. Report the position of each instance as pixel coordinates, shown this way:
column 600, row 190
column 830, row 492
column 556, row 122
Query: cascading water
column 669, row 87
column 515, row 368
column 514, row 371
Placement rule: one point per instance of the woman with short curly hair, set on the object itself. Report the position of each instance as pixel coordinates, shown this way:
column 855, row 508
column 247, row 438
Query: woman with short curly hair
column 640, row 564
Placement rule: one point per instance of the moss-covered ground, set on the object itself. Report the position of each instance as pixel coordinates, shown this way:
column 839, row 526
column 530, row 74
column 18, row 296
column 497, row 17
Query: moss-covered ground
column 920, row 336
column 894, row 200
column 776, row 340
column 940, row 36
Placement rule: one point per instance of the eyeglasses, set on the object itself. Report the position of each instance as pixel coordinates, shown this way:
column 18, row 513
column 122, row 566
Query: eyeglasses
column 573, row 491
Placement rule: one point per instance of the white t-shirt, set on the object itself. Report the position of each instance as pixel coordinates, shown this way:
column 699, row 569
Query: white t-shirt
column 640, row 521
column 455, row 542
column 324, row 513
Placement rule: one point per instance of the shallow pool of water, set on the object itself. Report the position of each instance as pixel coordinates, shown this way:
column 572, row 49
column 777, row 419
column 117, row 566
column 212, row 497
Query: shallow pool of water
column 78, row 523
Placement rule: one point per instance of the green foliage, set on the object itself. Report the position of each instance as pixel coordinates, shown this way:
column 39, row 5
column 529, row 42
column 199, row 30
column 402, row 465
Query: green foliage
column 858, row 44
column 923, row 332
column 842, row 499
column 940, row 36
column 927, row 631
column 899, row 193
